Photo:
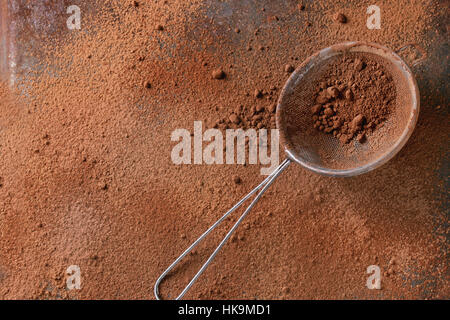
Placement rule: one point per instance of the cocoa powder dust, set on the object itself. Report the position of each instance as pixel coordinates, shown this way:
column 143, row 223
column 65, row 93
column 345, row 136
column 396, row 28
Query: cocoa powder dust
column 86, row 176
column 354, row 96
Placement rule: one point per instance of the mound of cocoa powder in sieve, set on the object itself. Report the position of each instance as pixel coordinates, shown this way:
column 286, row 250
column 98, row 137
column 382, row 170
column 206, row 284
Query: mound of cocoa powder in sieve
column 355, row 95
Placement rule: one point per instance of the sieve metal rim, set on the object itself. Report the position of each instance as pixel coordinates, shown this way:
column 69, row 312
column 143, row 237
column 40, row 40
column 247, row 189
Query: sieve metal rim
column 353, row 46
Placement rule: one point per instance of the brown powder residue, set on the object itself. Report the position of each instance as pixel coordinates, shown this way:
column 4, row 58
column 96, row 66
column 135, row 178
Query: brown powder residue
column 87, row 180
column 243, row 117
column 355, row 95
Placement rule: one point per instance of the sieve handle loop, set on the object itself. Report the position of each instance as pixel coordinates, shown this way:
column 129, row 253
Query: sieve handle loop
column 263, row 186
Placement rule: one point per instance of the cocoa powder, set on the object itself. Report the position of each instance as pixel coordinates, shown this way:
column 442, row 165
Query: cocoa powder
column 87, row 121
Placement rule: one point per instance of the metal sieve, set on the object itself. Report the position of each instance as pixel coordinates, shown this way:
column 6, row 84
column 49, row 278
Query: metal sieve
column 319, row 152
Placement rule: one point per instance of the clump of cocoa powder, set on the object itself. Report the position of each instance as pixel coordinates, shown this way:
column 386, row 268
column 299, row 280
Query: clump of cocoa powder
column 354, row 96
column 259, row 116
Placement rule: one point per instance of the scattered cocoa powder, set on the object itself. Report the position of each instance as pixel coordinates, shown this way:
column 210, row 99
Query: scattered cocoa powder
column 235, row 119
column 340, row 17
column 218, row 74
column 289, row 68
column 310, row 237
column 147, row 84
column 258, row 94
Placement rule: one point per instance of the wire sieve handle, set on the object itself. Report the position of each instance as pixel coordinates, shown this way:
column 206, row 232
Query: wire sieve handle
column 263, row 186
